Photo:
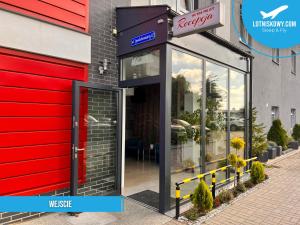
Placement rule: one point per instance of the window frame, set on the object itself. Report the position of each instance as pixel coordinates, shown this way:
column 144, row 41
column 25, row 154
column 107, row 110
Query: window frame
column 275, row 55
column 245, row 37
column 275, row 113
column 293, row 62
column 293, row 117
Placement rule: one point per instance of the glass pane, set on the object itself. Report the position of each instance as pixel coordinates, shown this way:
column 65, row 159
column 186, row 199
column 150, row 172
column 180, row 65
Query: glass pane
column 141, row 65
column 216, row 114
column 171, row 3
column 185, row 119
column 237, row 106
column 185, row 5
column 98, row 149
column 140, row 2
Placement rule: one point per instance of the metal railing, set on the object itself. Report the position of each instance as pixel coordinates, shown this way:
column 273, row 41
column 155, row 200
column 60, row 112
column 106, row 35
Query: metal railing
column 214, row 185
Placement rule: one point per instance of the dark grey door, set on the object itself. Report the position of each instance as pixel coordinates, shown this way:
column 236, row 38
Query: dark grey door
column 96, row 143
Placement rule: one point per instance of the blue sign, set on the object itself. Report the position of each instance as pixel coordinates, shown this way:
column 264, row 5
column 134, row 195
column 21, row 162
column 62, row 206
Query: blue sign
column 150, row 36
column 62, row 204
column 275, row 24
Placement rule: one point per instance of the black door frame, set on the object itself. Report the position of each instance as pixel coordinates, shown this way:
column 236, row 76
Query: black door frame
column 76, row 85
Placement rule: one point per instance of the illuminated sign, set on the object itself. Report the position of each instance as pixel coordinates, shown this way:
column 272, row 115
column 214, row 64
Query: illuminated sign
column 150, row 36
column 199, row 20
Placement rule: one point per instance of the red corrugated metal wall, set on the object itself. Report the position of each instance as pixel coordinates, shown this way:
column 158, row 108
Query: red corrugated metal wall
column 69, row 13
column 35, row 122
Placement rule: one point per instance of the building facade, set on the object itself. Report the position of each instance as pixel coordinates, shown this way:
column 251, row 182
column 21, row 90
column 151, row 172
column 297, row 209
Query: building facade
column 86, row 113
column 275, row 80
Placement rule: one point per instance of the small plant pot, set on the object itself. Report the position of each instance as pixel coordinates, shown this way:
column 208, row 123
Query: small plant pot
column 278, row 150
column 272, row 152
column 294, row 145
column 264, row 157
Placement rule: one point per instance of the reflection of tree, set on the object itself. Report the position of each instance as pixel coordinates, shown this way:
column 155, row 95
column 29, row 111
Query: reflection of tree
column 180, row 86
column 215, row 118
column 181, row 128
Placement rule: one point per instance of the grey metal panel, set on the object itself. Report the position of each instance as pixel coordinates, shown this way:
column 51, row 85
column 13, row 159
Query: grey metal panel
column 74, row 138
column 206, row 47
column 161, row 32
column 165, row 129
column 128, row 17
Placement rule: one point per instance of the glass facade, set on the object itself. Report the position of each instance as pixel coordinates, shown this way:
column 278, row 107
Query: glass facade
column 208, row 102
column 185, row 118
column 143, row 64
column 216, row 115
column 237, row 106
column 225, row 104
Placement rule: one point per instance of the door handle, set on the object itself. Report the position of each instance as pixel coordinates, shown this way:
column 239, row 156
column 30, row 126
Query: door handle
column 79, row 149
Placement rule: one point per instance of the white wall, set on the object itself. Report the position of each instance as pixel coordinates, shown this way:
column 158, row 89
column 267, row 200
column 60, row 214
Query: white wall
column 31, row 35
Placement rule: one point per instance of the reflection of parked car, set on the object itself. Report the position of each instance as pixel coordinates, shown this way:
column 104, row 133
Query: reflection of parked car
column 178, row 134
column 91, row 121
column 236, row 124
column 197, row 127
column 186, row 125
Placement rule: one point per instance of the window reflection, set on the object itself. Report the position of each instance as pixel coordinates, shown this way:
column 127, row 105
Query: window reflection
column 181, row 6
column 237, row 106
column 141, row 65
column 216, row 115
column 171, row 3
column 185, row 118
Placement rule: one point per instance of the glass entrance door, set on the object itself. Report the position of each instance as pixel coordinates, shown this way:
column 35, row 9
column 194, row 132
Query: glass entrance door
column 96, row 144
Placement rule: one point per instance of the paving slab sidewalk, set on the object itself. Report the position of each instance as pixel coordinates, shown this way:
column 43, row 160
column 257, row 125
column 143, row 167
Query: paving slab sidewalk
column 276, row 203
column 135, row 214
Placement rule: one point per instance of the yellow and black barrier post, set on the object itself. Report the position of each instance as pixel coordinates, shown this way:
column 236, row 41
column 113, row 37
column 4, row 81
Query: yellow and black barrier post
column 177, row 195
column 213, row 183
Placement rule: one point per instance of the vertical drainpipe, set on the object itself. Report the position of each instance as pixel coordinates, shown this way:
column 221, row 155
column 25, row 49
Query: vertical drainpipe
column 250, row 107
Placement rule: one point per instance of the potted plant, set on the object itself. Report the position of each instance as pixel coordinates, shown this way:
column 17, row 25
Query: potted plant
column 296, row 136
column 234, row 159
column 278, row 135
column 259, row 139
column 296, row 132
column 274, row 149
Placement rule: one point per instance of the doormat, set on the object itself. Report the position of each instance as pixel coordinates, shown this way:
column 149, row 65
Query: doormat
column 149, row 197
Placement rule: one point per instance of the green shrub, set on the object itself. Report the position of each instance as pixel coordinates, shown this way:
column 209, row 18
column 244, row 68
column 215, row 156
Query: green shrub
column 235, row 192
column 232, row 159
column 225, row 196
column 240, row 187
column 249, row 184
column 257, row 173
column 278, row 134
column 192, row 214
column 202, row 197
column 259, row 137
column 290, row 139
